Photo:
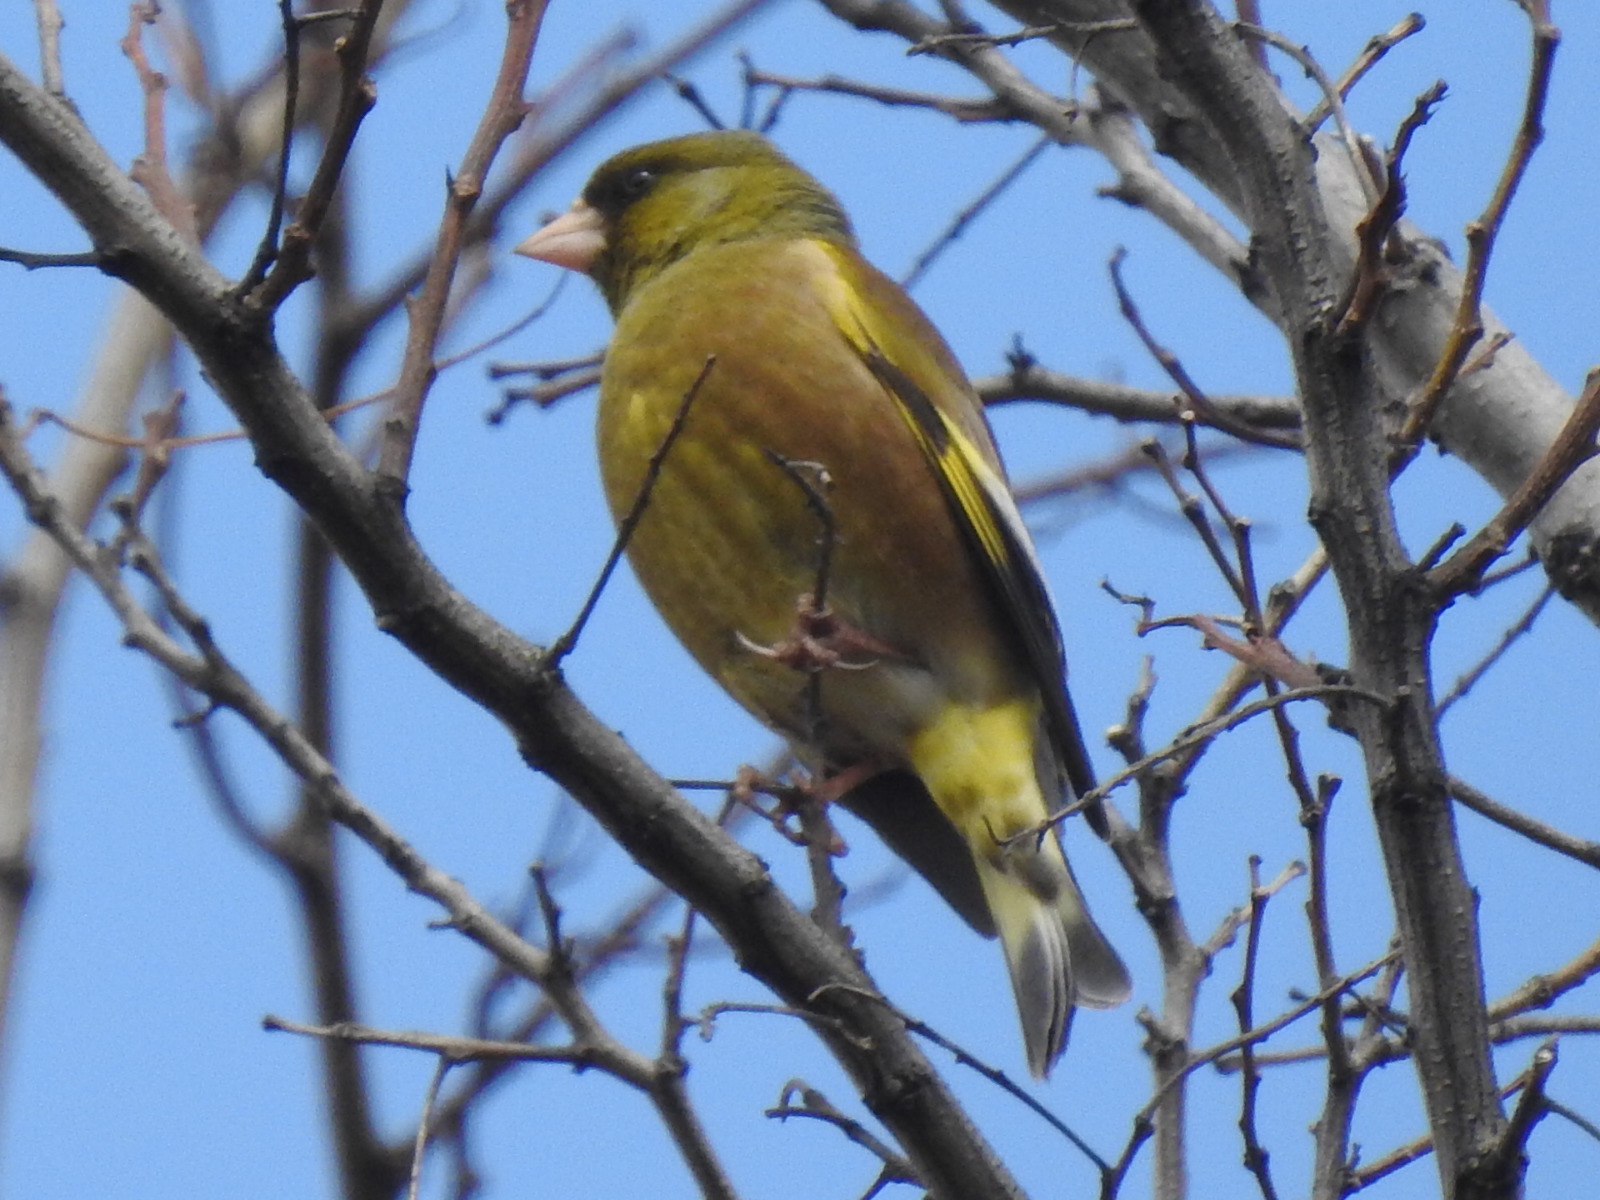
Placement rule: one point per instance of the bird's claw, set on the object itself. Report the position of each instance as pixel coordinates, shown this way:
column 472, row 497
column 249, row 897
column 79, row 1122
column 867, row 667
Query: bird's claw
column 821, row 641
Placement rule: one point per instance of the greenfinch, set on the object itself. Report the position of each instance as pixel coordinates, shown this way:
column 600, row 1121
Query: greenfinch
column 824, row 522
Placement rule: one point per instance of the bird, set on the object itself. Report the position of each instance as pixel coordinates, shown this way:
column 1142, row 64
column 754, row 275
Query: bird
column 820, row 515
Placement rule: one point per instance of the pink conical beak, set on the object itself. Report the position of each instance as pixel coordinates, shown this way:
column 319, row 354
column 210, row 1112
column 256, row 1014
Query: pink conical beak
column 573, row 240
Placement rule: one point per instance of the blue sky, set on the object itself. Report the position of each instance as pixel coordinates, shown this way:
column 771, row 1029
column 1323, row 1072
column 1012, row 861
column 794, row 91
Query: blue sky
column 156, row 943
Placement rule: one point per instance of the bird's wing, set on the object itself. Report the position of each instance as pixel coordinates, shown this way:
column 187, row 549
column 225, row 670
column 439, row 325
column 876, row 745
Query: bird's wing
column 908, row 358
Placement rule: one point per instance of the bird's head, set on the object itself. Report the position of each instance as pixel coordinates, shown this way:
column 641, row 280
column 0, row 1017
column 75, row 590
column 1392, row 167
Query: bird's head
column 648, row 207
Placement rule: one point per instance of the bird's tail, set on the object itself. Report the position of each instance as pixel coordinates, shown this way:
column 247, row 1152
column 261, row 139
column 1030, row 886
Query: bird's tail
column 1057, row 955
column 978, row 764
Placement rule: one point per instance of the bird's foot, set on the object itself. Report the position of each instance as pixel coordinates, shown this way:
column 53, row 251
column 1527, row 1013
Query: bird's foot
column 822, row 641
column 796, row 802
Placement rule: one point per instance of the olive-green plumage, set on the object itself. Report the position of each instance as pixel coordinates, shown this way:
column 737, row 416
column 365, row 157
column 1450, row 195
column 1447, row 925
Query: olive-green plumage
column 950, row 684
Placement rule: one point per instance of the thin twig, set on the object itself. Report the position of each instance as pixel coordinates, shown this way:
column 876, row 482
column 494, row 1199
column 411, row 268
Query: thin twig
column 1109, row 475
column 1359, row 1179
column 149, row 169
column 1174, row 368
column 1006, row 1084
column 967, row 110
column 564, row 644
column 1373, row 230
column 1467, row 327
column 1194, row 512
column 1204, row 732
column 1531, row 1104
column 936, row 43
column 814, row 481
column 547, row 368
column 692, row 96
column 1264, row 655
column 1261, row 1033
column 1142, row 1120
column 1249, row 13
column 1344, row 1077
column 1027, row 381
column 1578, row 1119
column 1377, row 1020
column 267, row 250
column 166, row 445
column 356, row 98
column 623, row 936
column 1315, row 821
column 547, row 394
column 31, row 261
column 1519, row 628
column 503, row 113
column 667, row 1090
column 1255, row 1154
column 450, row 1048
column 1371, row 54
column 1573, row 447
column 673, row 1025
column 1580, row 849
column 818, row 1107
column 48, row 18
column 1194, row 461
column 959, row 223
column 1331, row 96
column 706, row 1022
column 430, row 1099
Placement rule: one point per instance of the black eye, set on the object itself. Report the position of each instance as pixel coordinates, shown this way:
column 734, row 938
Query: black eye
column 615, row 189
column 636, row 183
